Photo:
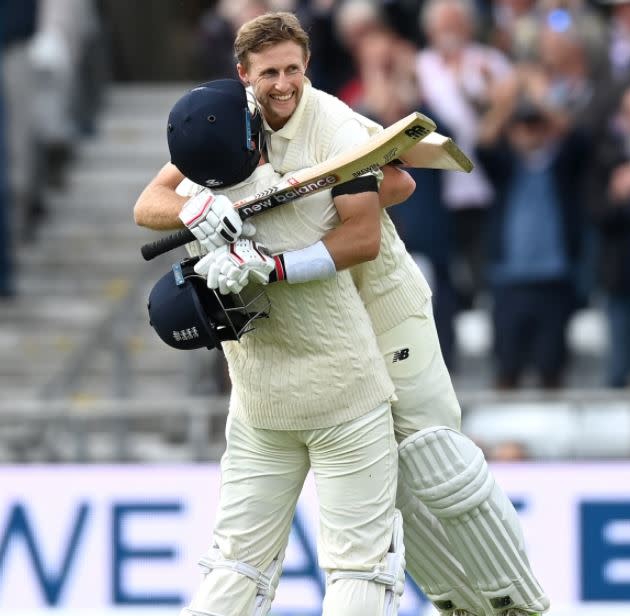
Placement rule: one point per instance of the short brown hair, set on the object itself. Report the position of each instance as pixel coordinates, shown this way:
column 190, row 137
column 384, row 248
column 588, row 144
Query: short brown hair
column 267, row 30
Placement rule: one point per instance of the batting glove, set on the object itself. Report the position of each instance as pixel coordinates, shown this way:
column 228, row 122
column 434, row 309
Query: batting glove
column 230, row 268
column 213, row 220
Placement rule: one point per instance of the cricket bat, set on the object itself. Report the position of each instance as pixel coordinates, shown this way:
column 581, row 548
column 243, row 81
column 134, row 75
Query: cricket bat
column 399, row 143
column 436, row 151
column 381, row 149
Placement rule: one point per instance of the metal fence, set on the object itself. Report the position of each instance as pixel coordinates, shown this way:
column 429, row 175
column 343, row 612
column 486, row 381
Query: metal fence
column 569, row 424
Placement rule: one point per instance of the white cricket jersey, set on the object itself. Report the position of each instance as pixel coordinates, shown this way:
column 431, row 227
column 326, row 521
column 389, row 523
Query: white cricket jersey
column 391, row 286
column 314, row 362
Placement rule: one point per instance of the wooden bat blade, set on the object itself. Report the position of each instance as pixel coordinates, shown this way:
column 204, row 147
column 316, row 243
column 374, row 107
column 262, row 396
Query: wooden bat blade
column 437, row 151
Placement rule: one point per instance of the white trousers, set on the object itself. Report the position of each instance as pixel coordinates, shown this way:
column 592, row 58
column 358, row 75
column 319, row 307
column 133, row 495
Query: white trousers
column 355, row 470
column 423, row 384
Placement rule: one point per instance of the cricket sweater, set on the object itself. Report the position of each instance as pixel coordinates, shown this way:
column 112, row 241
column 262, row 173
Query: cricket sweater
column 314, row 362
column 391, row 286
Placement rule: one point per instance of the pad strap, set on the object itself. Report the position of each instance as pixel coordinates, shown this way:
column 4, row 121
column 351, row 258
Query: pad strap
column 261, row 580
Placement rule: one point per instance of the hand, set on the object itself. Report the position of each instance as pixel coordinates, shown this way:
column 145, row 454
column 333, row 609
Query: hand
column 213, row 220
column 230, row 268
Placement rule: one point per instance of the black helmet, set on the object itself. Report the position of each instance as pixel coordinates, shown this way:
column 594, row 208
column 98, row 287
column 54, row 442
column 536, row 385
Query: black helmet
column 187, row 315
column 213, row 137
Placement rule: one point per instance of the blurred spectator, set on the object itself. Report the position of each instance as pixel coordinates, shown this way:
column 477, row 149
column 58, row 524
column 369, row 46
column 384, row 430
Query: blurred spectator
column 457, row 75
column 52, row 84
column 218, row 27
column 359, row 24
column 609, row 202
column 330, row 66
column 508, row 451
column 57, row 52
column 385, row 86
column 23, row 158
column 510, row 19
column 618, row 38
column 518, row 23
column 535, row 236
column 6, row 257
column 559, row 78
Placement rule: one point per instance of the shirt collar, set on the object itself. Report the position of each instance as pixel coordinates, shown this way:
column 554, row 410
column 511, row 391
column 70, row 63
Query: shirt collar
column 289, row 130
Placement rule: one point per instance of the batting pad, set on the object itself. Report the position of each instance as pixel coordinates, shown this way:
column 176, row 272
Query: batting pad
column 430, row 558
column 233, row 587
column 448, row 473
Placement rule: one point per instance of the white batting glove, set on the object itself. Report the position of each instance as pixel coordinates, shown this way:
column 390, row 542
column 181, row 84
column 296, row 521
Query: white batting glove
column 213, row 220
column 230, row 268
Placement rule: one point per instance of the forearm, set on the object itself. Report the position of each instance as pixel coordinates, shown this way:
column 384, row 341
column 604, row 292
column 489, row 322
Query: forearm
column 158, row 205
column 357, row 239
column 158, row 208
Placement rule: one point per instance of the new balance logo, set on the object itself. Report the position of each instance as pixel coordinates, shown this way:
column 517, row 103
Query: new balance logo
column 416, row 132
column 400, row 355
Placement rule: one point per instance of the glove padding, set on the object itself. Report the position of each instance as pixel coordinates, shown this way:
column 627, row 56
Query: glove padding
column 231, row 267
column 213, row 220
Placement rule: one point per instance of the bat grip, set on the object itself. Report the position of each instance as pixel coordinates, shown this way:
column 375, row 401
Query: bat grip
column 169, row 242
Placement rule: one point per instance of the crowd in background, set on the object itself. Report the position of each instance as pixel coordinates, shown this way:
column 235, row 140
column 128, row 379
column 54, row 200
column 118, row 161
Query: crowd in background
column 533, row 91
column 53, row 62
column 537, row 92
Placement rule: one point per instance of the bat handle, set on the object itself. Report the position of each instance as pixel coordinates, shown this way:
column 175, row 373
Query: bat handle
column 169, row 242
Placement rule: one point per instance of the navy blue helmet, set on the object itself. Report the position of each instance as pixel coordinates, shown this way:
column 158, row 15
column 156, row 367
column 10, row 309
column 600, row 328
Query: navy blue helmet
column 213, row 137
column 186, row 314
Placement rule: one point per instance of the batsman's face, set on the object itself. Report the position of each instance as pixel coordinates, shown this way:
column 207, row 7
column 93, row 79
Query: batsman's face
column 277, row 76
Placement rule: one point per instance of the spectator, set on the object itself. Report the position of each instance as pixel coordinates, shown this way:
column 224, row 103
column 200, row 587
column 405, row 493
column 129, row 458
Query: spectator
column 358, row 26
column 560, row 80
column 457, row 75
column 330, row 66
column 518, row 23
column 57, row 52
column 506, row 29
column 6, row 266
column 385, row 85
column 618, row 38
column 218, row 27
column 535, row 235
column 609, row 202
column 22, row 154
column 508, row 451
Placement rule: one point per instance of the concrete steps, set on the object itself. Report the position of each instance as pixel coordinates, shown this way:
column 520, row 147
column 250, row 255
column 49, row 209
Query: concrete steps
column 82, row 283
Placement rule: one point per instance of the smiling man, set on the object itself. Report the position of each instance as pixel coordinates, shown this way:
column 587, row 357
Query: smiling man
column 276, row 74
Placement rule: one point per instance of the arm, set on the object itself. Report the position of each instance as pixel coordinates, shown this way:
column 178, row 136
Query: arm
column 358, row 237
column 211, row 218
column 355, row 239
column 158, row 205
column 397, row 186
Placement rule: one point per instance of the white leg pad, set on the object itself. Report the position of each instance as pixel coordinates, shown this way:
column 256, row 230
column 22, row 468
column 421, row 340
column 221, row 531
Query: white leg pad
column 449, row 474
column 244, row 580
column 431, row 561
column 390, row 574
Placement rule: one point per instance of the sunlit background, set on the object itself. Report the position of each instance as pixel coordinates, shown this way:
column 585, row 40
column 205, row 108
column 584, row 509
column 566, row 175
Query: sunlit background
column 109, row 440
